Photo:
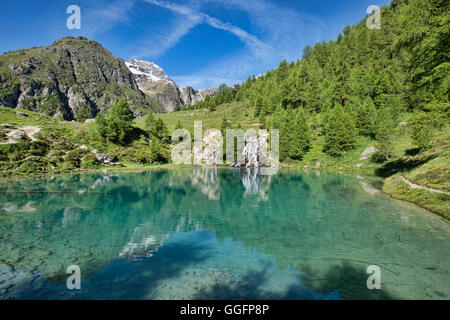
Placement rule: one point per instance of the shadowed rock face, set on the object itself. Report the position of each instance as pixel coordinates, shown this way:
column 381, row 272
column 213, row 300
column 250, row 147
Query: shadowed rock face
column 165, row 93
column 155, row 83
column 70, row 75
column 190, row 96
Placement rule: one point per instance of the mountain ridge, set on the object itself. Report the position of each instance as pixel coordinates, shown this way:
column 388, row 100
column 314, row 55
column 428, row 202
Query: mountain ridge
column 73, row 78
column 154, row 81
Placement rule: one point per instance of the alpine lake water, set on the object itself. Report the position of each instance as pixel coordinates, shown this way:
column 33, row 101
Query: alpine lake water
column 217, row 234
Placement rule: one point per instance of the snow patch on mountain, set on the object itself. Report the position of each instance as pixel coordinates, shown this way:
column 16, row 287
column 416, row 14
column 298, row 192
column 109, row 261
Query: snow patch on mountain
column 148, row 71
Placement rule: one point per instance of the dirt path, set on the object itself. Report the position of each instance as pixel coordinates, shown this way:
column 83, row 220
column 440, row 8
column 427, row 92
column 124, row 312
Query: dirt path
column 31, row 131
column 416, row 186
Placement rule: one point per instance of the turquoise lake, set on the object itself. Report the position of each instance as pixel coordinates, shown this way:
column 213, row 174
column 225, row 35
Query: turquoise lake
column 217, row 234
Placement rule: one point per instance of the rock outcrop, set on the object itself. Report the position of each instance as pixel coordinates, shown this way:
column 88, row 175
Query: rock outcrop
column 166, row 94
column 367, row 152
column 10, row 135
column 70, row 76
column 105, row 159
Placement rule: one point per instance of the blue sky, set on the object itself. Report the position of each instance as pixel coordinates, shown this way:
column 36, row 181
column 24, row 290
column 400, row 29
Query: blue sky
column 200, row 43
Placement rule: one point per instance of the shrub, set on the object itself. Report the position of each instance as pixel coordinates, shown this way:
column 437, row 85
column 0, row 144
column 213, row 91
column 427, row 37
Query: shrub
column 33, row 164
column 21, row 150
column 83, row 114
column 118, row 124
column 157, row 154
column 89, row 161
column 73, row 158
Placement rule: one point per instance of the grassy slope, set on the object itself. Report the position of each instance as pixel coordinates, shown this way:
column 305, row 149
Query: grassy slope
column 236, row 112
column 56, row 139
column 431, row 170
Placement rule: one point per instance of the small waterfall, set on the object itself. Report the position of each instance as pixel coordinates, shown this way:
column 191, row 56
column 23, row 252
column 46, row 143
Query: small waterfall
column 254, row 153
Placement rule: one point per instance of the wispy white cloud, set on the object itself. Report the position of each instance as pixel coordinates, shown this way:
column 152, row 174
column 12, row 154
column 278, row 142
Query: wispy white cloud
column 192, row 17
column 287, row 30
column 233, row 68
column 258, row 47
column 157, row 45
column 103, row 17
column 281, row 33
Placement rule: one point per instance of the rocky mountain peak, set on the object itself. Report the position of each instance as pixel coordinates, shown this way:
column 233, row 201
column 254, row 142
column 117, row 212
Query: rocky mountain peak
column 73, row 78
column 156, row 84
column 145, row 71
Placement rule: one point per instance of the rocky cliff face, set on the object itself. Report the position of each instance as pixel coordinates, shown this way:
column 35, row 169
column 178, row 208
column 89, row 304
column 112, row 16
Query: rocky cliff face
column 72, row 76
column 190, row 96
column 166, row 95
column 155, row 83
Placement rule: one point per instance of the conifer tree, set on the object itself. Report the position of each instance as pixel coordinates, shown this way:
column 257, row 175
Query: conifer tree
column 117, row 123
column 156, row 152
column 300, row 136
column 258, row 105
column 150, row 122
column 225, row 125
column 161, row 131
column 384, row 130
column 366, row 114
column 283, row 70
column 340, row 132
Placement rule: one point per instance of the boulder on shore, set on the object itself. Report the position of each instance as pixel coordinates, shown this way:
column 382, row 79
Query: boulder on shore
column 106, row 160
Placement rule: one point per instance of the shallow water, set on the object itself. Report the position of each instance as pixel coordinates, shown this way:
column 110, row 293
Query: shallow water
column 216, row 234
